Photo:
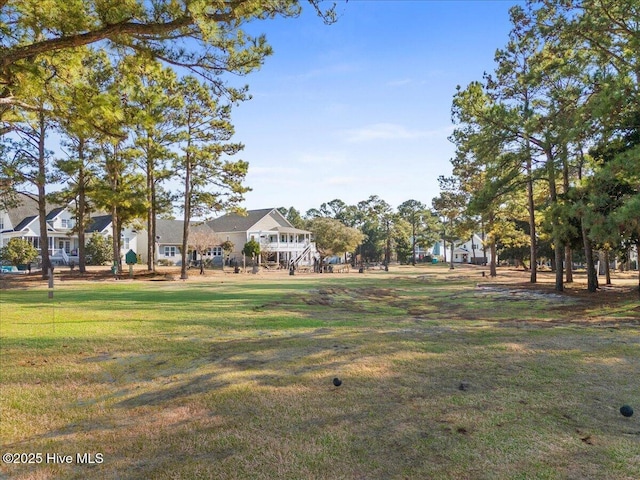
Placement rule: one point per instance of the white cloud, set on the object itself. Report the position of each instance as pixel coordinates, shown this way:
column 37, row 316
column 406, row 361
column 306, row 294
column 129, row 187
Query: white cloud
column 392, row 131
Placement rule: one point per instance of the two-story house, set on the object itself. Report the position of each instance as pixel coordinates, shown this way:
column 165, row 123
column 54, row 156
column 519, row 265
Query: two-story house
column 22, row 221
column 280, row 242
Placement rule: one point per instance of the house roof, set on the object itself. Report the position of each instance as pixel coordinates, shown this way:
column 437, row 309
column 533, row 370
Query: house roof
column 25, row 222
column 233, row 222
column 27, row 210
column 288, row 230
column 54, row 213
column 27, row 207
column 99, row 223
column 170, row 231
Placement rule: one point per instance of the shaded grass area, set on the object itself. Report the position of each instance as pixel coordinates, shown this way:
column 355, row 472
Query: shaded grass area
column 442, row 378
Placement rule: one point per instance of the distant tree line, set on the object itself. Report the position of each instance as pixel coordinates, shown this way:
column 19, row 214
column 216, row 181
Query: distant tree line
column 385, row 234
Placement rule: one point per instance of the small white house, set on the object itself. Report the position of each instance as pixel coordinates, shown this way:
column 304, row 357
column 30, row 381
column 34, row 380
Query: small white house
column 471, row 251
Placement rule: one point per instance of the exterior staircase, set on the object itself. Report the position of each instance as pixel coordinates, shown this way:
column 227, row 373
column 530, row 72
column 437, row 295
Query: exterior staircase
column 296, row 261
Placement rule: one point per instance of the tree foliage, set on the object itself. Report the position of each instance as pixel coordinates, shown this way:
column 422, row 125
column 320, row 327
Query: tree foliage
column 99, row 250
column 19, row 252
column 332, row 237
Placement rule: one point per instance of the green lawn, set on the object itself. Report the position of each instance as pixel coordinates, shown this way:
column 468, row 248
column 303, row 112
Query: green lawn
column 231, row 378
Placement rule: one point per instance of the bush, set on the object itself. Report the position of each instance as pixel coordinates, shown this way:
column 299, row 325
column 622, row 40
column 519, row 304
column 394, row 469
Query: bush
column 98, row 250
column 251, row 249
column 19, row 252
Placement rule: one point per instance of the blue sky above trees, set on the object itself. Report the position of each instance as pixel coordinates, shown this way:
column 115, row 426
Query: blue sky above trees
column 362, row 107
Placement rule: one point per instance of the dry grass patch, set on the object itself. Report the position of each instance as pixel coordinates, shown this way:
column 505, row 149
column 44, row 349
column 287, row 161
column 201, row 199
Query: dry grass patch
column 230, row 378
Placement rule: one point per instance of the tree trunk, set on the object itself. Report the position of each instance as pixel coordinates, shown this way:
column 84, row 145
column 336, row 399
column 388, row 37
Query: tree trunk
column 473, row 251
column 493, row 271
column 533, row 249
column 559, row 256
column 568, row 255
column 118, row 236
column 113, row 174
column 494, row 260
column 114, row 240
column 565, row 183
column 150, row 234
column 42, row 202
column 44, row 237
column 82, row 210
column 451, row 267
column 187, row 217
column 151, row 212
column 592, row 275
column 558, row 246
column 607, row 270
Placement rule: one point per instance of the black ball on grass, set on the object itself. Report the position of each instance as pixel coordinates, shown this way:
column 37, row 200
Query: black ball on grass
column 626, row 411
column 337, row 382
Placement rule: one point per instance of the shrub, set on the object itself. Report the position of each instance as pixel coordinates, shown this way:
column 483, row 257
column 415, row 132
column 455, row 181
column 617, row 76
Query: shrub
column 18, row 251
column 98, row 250
column 251, row 249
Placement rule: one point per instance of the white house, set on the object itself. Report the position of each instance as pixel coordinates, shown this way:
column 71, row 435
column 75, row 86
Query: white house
column 280, row 241
column 23, row 222
column 471, row 251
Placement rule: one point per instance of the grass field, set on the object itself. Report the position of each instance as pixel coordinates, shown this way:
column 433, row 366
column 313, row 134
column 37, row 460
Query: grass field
column 446, row 375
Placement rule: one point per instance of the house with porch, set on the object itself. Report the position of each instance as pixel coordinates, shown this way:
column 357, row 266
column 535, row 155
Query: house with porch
column 471, row 251
column 280, row 242
column 23, row 221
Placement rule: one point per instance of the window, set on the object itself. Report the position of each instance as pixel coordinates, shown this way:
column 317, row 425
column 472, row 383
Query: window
column 216, row 251
column 169, row 251
column 126, row 243
column 1, row 224
column 66, row 223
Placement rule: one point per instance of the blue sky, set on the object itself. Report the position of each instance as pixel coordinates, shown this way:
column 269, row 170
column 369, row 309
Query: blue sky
column 362, row 107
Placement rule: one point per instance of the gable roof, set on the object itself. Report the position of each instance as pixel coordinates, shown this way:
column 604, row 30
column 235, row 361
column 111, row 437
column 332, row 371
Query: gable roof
column 54, row 213
column 233, row 222
column 98, row 223
column 25, row 223
column 27, row 209
column 170, row 231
